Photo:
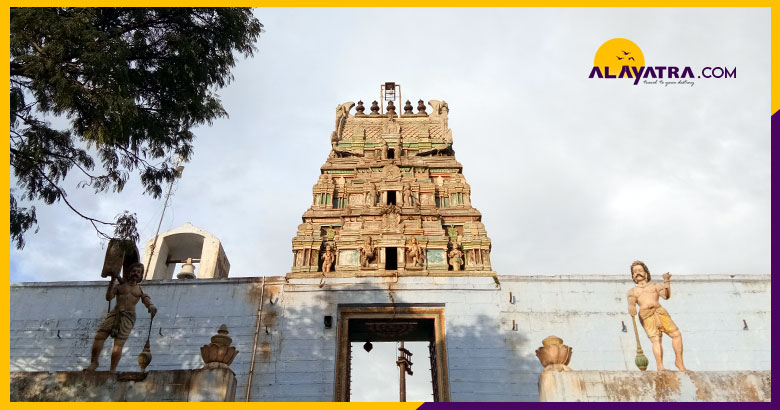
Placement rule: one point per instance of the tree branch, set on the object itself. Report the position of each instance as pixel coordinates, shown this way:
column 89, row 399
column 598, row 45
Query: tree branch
column 137, row 159
column 63, row 195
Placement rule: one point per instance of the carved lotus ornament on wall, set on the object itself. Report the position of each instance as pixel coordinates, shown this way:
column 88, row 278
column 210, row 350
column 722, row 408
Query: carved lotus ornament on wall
column 554, row 355
column 219, row 353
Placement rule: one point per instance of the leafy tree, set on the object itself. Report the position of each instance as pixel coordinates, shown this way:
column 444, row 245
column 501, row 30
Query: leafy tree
column 132, row 81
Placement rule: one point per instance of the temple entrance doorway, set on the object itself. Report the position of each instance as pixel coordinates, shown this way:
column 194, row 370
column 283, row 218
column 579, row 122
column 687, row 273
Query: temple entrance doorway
column 390, row 353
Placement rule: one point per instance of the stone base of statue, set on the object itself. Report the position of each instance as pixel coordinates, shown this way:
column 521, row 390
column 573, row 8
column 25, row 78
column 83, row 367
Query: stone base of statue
column 413, row 267
column 152, row 386
column 667, row 386
column 371, row 266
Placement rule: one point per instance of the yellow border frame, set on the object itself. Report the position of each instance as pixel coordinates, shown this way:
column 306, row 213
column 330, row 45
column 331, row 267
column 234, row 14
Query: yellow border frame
column 5, row 153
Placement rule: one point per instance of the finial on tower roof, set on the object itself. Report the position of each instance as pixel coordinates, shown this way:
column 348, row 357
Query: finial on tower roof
column 408, row 109
column 421, row 107
column 391, row 109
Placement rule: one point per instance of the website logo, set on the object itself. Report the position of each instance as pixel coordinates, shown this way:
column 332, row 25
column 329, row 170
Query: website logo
column 622, row 58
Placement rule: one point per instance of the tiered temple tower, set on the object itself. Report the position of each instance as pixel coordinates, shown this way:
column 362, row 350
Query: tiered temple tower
column 391, row 198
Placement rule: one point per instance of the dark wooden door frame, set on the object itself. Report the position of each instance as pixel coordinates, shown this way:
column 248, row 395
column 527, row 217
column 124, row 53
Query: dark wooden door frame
column 384, row 311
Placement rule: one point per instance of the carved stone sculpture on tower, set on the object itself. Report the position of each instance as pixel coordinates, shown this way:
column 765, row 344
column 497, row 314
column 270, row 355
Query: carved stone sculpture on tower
column 371, row 195
column 653, row 317
column 391, row 218
column 299, row 257
column 383, row 149
column 120, row 320
column 456, row 258
column 328, row 258
column 342, row 112
column 414, row 254
column 441, row 111
column 330, row 233
column 452, row 232
column 438, row 108
column 406, row 196
column 367, row 252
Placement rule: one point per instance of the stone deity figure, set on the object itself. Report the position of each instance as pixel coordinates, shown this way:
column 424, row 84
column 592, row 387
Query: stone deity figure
column 367, row 252
column 121, row 319
column 415, row 253
column 653, row 317
column 456, row 258
column 328, row 257
column 383, row 153
column 299, row 257
column 406, row 195
column 371, row 195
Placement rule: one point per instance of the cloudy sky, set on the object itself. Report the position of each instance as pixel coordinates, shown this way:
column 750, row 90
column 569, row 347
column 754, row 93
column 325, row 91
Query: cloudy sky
column 572, row 175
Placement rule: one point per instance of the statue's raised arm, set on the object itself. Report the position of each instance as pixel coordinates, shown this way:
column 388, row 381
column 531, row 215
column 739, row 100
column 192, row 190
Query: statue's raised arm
column 665, row 289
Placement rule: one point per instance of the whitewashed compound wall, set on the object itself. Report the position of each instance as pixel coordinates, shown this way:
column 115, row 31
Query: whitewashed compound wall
column 52, row 326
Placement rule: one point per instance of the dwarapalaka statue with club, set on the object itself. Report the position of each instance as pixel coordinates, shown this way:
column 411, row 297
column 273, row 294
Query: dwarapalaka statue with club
column 120, row 320
column 653, row 317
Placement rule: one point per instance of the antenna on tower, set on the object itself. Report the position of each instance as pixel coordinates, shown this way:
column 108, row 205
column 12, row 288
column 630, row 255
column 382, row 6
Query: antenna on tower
column 179, row 171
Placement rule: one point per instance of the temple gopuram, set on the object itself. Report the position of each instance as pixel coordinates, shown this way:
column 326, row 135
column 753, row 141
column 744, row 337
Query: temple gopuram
column 391, row 198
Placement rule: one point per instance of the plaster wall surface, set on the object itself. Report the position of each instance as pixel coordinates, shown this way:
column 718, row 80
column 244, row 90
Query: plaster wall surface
column 156, row 386
column 52, row 326
column 664, row 386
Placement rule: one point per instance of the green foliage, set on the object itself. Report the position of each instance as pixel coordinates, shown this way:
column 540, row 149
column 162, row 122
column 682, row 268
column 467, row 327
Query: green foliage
column 22, row 219
column 132, row 81
column 125, row 227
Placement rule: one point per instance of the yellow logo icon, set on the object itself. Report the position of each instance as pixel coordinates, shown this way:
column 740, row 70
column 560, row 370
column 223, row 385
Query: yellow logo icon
column 617, row 53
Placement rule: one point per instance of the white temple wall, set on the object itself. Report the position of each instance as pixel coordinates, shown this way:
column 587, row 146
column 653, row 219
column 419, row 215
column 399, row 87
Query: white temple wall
column 52, row 326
